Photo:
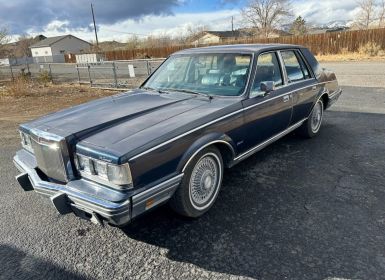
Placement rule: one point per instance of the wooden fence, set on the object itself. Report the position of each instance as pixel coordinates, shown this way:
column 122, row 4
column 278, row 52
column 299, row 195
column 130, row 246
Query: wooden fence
column 325, row 43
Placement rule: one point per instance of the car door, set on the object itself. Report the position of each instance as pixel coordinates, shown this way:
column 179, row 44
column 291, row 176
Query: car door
column 266, row 115
column 300, row 82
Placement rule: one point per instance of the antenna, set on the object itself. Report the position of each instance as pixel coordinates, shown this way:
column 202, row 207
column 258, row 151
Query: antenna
column 96, row 33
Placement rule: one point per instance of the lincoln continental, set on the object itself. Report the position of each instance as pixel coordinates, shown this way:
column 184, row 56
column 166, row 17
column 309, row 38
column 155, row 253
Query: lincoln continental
column 170, row 140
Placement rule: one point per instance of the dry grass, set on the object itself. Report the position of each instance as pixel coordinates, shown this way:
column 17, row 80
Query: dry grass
column 351, row 56
column 38, row 99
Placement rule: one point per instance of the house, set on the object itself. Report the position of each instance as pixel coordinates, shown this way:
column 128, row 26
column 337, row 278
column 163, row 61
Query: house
column 53, row 49
column 214, row 37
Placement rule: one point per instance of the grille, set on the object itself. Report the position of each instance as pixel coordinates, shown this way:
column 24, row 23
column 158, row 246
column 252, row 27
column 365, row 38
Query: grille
column 50, row 152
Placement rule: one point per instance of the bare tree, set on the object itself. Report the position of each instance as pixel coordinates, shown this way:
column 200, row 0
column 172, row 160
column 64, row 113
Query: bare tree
column 266, row 15
column 366, row 15
column 22, row 47
column 4, row 39
column 381, row 14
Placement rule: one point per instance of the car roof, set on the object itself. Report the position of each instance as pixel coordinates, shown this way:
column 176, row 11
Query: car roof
column 238, row 48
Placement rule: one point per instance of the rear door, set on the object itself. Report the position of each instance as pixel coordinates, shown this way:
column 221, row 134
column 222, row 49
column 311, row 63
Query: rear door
column 300, row 82
column 266, row 116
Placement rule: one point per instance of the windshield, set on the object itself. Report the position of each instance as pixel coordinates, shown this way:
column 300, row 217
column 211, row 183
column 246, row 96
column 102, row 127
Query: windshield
column 222, row 74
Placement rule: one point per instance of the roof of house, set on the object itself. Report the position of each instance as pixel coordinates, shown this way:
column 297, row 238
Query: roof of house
column 226, row 34
column 52, row 40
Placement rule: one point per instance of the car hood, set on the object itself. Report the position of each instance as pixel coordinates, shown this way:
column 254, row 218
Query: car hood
column 118, row 124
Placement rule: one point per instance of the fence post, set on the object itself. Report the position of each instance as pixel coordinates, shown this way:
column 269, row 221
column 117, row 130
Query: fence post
column 50, row 72
column 77, row 69
column 115, row 77
column 148, row 68
column 13, row 78
column 89, row 74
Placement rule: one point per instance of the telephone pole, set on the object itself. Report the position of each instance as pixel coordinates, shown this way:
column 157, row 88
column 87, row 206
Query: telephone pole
column 96, row 33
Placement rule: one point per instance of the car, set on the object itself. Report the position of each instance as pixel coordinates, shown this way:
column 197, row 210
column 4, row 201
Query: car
column 170, row 140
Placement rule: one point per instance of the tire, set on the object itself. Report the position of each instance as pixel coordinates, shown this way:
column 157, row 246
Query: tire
column 200, row 185
column 312, row 125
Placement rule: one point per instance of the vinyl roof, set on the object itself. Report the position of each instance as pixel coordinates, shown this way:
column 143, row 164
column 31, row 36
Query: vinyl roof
column 238, row 48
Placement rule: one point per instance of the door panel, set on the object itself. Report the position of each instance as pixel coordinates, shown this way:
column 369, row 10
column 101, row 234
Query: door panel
column 266, row 116
column 303, row 94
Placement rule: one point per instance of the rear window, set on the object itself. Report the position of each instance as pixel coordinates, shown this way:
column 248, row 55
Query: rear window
column 296, row 68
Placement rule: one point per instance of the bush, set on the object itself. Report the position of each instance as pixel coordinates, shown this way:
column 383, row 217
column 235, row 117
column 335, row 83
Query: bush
column 370, row 48
column 19, row 87
column 44, row 77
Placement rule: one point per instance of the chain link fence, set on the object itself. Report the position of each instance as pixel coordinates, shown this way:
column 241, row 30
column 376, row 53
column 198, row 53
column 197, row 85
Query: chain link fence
column 108, row 74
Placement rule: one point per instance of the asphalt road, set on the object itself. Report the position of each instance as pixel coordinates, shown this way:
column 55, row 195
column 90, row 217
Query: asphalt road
column 299, row 209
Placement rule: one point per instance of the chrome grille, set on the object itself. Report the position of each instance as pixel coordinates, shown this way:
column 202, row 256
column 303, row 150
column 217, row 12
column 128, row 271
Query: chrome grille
column 50, row 153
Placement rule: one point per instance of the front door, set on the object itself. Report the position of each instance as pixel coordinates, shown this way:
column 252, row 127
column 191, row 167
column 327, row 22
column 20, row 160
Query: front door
column 266, row 114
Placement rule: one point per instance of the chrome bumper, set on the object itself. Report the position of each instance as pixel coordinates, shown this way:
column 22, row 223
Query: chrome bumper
column 90, row 200
column 333, row 97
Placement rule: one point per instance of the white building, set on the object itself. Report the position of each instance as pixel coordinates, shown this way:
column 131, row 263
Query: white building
column 53, row 49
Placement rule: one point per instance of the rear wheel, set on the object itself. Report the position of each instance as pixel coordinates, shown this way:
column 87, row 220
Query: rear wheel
column 312, row 125
column 200, row 185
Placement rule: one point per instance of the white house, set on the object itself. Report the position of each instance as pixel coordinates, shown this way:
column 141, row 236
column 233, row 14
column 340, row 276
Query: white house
column 53, row 49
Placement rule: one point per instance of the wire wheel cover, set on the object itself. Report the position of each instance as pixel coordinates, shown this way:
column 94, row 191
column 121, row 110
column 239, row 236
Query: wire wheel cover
column 204, row 181
column 316, row 117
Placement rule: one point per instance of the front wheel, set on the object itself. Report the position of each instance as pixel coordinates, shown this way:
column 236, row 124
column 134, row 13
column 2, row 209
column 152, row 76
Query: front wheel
column 312, row 125
column 200, row 185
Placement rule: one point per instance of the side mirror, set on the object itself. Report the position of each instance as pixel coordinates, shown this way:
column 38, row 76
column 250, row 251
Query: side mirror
column 267, row 87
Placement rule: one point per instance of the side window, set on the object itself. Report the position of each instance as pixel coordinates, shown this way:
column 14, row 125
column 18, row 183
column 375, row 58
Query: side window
column 295, row 68
column 267, row 70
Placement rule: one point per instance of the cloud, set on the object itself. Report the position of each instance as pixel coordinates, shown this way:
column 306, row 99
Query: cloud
column 19, row 15
column 315, row 11
column 170, row 25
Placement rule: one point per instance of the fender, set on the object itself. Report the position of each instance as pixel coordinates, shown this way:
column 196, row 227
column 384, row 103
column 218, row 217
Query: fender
column 203, row 142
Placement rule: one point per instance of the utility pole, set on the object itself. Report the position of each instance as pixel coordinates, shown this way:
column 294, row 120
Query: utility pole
column 96, row 33
column 232, row 23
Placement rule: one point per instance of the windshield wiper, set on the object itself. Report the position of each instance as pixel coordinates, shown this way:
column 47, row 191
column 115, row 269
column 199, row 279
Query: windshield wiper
column 154, row 89
column 191, row 91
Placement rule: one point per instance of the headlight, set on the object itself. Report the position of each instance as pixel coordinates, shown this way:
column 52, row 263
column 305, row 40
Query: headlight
column 116, row 174
column 26, row 141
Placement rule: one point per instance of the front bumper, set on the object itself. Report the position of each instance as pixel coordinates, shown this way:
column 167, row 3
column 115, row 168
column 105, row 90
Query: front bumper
column 90, row 200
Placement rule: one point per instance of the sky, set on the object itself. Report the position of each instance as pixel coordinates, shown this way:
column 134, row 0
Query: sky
column 119, row 19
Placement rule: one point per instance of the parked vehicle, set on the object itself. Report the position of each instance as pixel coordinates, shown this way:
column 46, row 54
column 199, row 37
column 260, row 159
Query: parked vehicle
column 170, row 140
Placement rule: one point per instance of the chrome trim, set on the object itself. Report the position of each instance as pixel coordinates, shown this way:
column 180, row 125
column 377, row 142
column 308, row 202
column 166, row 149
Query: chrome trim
column 211, row 122
column 204, row 146
column 115, row 212
column 100, row 180
column 155, row 195
column 267, row 142
column 335, row 93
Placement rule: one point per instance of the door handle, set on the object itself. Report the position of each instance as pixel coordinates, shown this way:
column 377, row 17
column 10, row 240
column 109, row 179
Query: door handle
column 286, row 98
column 314, row 87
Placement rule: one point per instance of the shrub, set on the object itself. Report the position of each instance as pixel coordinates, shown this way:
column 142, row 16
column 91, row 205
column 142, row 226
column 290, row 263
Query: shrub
column 44, row 77
column 370, row 48
column 19, row 87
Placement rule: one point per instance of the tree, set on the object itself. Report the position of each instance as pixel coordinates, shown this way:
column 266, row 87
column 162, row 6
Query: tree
column 22, row 47
column 366, row 14
column 4, row 39
column 381, row 14
column 298, row 27
column 266, row 15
